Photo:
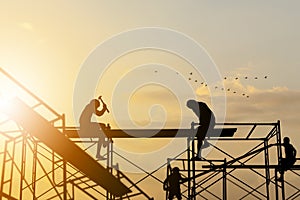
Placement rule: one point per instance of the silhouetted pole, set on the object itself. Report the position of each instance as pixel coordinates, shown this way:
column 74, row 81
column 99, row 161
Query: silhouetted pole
column 168, row 173
column 23, row 161
column 193, row 172
column 34, row 166
column 189, row 166
column 64, row 179
column 224, row 180
column 267, row 169
column 65, row 189
column 276, row 184
column 279, row 153
column 109, row 164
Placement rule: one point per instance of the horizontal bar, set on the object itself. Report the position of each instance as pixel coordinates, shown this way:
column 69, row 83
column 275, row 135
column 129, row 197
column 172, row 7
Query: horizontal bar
column 295, row 167
column 149, row 133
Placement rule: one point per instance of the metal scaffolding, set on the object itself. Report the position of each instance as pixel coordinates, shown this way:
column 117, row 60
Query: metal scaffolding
column 249, row 167
column 243, row 166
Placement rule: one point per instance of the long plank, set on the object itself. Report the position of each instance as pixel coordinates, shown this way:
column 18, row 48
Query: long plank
column 149, row 133
column 40, row 128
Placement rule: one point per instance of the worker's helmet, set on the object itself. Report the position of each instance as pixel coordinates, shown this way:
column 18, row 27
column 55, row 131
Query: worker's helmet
column 175, row 169
column 95, row 102
column 191, row 103
column 286, row 140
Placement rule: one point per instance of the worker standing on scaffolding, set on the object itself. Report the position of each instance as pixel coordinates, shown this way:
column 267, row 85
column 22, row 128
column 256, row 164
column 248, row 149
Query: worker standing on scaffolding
column 206, row 121
column 290, row 157
column 172, row 184
column 87, row 126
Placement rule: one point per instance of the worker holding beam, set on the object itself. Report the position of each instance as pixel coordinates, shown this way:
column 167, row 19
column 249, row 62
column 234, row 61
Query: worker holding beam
column 206, row 123
column 87, row 126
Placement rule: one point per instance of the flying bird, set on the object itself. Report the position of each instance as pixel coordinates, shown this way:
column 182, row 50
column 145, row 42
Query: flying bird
column 266, row 76
column 236, row 78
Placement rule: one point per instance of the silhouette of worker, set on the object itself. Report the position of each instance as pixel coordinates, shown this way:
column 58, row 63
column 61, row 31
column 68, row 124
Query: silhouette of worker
column 290, row 157
column 87, row 126
column 172, row 184
column 206, row 121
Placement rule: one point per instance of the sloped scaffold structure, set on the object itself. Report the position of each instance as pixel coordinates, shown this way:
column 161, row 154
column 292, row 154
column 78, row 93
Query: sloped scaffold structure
column 40, row 160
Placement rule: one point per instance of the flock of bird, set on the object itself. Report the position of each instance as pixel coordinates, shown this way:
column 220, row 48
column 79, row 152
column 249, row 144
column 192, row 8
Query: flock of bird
column 233, row 91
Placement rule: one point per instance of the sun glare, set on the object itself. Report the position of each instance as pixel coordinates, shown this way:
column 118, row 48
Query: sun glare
column 5, row 102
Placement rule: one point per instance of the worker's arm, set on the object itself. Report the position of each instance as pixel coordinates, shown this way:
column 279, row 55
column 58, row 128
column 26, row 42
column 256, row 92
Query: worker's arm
column 165, row 185
column 294, row 152
column 101, row 112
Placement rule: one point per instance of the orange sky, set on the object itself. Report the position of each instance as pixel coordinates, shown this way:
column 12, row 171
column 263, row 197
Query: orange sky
column 44, row 44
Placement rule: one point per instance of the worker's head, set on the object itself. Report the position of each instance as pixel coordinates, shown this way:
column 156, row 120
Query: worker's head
column 286, row 140
column 175, row 170
column 95, row 103
column 192, row 104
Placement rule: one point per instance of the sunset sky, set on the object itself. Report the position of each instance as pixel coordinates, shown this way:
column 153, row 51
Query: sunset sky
column 45, row 43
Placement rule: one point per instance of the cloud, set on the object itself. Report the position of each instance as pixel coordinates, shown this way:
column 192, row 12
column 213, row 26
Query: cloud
column 270, row 105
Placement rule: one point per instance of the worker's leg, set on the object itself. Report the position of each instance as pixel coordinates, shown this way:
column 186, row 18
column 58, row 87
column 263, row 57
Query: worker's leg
column 171, row 195
column 207, row 134
column 103, row 128
column 96, row 128
column 201, row 133
column 178, row 196
column 282, row 168
column 199, row 145
column 101, row 141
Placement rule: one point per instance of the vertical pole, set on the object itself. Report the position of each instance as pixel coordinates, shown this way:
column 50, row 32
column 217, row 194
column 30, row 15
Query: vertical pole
column 267, row 168
column 12, row 166
column 64, row 162
column 64, row 180
column 3, row 168
column 111, row 161
column 168, row 173
column 23, row 160
column 189, row 139
column 34, row 169
column 279, row 153
column 276, row 185
column 73, row 190
column 224, row 180
column 189, row 166
column 108, row 167
column 193, row 171
column 282, row 187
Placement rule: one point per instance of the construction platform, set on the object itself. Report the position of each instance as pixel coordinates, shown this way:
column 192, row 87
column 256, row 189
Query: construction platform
column 41, row 159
